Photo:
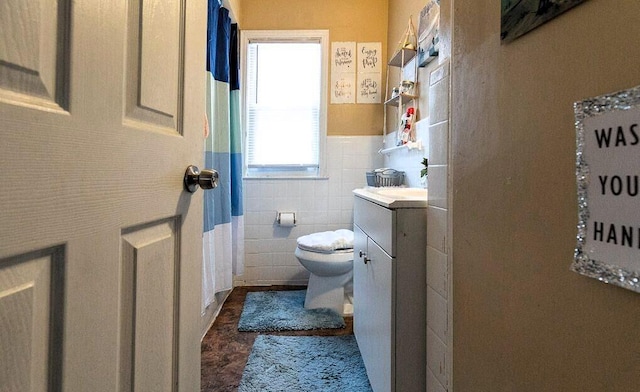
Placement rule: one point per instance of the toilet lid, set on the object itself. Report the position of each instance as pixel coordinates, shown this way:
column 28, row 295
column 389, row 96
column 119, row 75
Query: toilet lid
column 327, row 241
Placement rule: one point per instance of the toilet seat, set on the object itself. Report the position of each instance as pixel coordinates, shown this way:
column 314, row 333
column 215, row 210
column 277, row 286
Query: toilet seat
column 316, row 255
column 327, row 241
column 335, row 256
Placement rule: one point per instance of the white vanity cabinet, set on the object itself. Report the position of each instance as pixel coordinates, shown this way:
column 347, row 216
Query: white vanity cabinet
column 390, row 294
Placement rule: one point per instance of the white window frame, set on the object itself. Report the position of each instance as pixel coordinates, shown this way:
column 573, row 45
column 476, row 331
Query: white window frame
column 321, row 36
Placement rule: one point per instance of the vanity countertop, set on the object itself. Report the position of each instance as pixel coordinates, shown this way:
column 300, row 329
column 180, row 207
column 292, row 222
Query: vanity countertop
column 394, row 197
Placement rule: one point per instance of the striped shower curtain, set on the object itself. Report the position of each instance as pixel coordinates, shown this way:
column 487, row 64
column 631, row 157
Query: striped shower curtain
column 223, row 238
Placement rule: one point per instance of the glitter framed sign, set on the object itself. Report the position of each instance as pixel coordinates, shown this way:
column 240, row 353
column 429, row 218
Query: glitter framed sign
column 607, row 173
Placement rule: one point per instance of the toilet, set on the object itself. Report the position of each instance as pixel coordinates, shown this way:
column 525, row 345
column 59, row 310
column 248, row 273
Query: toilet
column 328, row 256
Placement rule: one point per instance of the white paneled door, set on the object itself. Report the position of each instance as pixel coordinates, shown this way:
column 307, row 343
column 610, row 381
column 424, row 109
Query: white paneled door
column 101, row 112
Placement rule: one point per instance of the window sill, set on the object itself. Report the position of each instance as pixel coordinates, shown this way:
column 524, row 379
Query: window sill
column 316, row 178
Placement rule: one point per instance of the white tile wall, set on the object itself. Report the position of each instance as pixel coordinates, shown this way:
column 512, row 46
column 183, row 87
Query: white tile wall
column 320, row 204
column 438, row 185
column 438, row 317
column 437, row 358
column 434, row 134
column 433, row 385
column 437, row 228
column 438, row 140
column 438, row 321
column 439, row 94
column 409, row 161
column 437, row 271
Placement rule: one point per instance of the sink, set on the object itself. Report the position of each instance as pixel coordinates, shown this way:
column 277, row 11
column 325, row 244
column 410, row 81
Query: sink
column 394, row 197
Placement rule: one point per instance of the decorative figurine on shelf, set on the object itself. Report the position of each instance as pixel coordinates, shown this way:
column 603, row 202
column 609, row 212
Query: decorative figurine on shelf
column 408, row 40
column 405, row 131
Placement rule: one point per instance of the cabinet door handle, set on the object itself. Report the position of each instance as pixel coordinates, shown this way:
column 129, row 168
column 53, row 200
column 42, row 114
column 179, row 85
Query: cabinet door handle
column 364, row 257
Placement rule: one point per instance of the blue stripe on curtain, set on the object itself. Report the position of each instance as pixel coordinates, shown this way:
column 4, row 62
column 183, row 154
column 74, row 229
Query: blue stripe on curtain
column 222, row 212
column 235, row 141
column 226, row 158
column 223, row 237
column 218, row 37
column 234, row 57
column 236, row 186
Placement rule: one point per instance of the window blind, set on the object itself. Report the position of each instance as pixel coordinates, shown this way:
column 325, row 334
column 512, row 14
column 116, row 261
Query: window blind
column 283, row 104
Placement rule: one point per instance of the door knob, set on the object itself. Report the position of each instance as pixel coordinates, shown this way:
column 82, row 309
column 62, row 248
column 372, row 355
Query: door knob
column 206, row 179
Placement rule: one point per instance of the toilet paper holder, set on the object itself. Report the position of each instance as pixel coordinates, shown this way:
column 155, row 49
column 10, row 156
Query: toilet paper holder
column 286, row 219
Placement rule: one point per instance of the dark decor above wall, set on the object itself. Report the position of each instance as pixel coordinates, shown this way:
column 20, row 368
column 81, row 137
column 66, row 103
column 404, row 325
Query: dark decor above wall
column 522, row 16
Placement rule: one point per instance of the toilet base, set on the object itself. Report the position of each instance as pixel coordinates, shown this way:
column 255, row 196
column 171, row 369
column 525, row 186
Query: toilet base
column 328, row 292
column 348, row 305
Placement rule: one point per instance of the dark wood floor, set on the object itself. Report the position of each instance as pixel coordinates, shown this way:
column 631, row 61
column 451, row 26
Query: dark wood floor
column 225, row 350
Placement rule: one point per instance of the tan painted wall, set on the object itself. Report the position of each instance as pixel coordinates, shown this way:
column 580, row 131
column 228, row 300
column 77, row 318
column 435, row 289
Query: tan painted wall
column 235, row 7
column 399, row 13
column 522, row 320
column 353, row 20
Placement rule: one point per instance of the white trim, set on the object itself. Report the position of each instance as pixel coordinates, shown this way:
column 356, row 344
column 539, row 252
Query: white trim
column 246, row 36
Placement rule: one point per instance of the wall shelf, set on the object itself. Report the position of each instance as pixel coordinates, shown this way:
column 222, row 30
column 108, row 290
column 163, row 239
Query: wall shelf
column 401, row 61
column 402, row 57
column 395, row 101
column 417, row 145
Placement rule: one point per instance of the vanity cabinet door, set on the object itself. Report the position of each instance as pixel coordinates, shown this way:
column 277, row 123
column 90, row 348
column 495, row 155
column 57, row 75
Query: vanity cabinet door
column 373, row 312
column 361, row 298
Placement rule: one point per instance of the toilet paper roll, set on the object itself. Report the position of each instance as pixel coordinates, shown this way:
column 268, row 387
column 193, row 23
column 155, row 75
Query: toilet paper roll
column 287, row 219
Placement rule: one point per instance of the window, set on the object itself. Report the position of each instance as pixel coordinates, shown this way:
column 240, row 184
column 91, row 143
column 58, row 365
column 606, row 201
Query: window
column 285, row 85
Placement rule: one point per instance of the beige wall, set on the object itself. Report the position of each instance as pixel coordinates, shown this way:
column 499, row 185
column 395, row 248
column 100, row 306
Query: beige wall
column 353, row 20
column 399, row 13
column 522, row 320
column 235, row 7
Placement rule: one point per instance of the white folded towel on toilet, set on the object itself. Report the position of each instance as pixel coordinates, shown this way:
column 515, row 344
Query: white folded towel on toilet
column 327, row 241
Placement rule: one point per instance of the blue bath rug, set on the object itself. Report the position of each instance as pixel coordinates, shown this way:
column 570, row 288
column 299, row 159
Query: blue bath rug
column 284, row 311
column 304, row 364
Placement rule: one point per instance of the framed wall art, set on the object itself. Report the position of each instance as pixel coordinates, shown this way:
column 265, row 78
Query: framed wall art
column 429, row 32
column 608, row 186
column 521, row 16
